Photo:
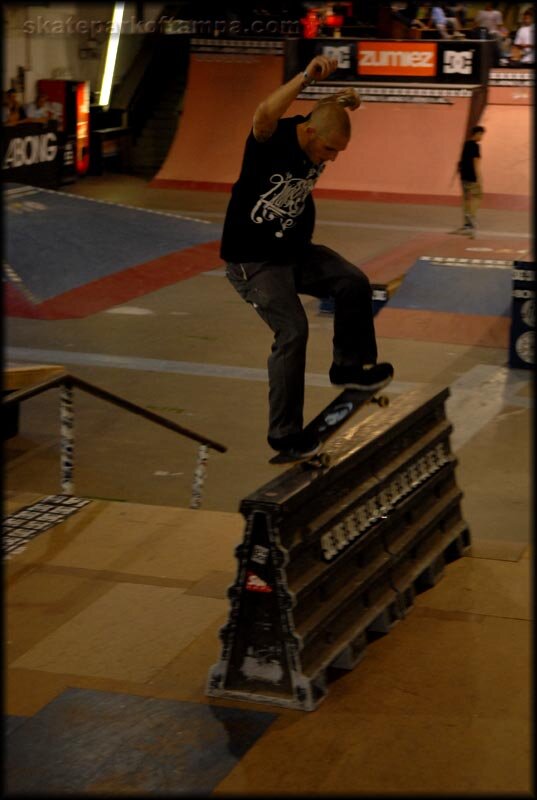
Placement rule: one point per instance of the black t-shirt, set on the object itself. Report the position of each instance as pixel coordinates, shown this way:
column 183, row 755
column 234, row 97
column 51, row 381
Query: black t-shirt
column 271, row 213
column 466, row 164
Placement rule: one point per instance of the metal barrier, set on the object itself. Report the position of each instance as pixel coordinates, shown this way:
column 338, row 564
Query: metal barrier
column 67, row 382
column 333, row 556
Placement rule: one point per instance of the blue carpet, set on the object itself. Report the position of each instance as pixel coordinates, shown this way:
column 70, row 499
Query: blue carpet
column 462, row 290
column 56, row 242
column 93, row 741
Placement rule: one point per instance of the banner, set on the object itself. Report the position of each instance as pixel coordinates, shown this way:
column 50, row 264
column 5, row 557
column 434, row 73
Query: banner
column 32, row 153
column 454, row 62
column 396, row 59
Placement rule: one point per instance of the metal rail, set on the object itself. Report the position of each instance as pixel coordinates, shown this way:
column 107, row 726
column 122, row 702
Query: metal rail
column 67, row 382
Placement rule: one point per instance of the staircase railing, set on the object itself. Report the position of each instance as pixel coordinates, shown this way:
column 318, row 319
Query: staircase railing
column 67, row 383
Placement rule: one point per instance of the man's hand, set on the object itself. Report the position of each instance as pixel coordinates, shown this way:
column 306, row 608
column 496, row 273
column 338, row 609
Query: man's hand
column 321, row 67
column 348, row 98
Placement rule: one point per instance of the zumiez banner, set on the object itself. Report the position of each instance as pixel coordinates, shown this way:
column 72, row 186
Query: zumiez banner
column 461, row 61
column 396, row 59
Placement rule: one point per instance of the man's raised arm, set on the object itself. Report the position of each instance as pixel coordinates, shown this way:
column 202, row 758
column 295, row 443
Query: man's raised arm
column 276, row 104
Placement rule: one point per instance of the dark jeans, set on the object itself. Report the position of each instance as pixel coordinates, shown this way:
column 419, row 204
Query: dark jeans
column 273, row 291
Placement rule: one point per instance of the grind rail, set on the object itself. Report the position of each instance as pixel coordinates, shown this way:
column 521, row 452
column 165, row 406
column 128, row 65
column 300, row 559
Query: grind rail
column 67, row 382
column 333, row 556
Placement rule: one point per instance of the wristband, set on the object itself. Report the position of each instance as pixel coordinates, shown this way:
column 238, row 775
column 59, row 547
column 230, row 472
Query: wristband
column 307, row 80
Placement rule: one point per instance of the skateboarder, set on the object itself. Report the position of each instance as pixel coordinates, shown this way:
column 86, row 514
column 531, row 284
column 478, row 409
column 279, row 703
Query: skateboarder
column 469, row 168
column 266, row 243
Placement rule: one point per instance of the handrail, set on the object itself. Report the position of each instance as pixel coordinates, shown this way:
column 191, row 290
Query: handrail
column 72, row 380
column 66, row 382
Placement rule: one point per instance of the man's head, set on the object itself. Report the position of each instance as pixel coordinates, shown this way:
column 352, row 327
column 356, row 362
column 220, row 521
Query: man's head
column 325, row 133
column 527, row 17
column 477, row 132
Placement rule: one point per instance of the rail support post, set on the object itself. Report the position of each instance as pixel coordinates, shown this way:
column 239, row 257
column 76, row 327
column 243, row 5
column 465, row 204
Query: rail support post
column 67, row 438
column 199, row 476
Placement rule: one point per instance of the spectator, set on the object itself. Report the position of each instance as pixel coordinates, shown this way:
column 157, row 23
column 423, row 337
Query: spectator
column 525, row 40
column 522, row 10
column 491, row 19
column 39, row 111
column 447, row 27
column 408, row 13
column 469, row 169
column 12, row 112
column 458, row 12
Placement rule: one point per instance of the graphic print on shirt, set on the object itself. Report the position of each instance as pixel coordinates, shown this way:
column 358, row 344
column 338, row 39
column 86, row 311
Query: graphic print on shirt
column 285, row 201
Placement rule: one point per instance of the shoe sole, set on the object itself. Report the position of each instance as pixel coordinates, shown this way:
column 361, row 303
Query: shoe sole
column 289, row 456
column 364, row 387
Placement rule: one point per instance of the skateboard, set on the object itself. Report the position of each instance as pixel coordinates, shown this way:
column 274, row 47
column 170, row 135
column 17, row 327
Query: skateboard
column 331, row 419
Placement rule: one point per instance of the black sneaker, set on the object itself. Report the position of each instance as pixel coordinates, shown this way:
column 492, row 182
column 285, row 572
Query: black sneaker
column 465, row 230
column 296, row 445
column 371, row 377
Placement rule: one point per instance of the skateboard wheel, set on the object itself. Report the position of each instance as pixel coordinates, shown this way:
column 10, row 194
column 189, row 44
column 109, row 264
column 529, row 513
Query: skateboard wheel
column 383, row 401
column 320, row 460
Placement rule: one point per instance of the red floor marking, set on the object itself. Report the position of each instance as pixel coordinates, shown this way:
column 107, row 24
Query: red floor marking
column 393, row 263
column 16, row 304
column 115, row 289
column 442, row 326
column 511, row 202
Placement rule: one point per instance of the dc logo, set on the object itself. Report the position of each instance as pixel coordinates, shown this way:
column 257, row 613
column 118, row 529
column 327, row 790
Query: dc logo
column 459, row 61
column 343, row 55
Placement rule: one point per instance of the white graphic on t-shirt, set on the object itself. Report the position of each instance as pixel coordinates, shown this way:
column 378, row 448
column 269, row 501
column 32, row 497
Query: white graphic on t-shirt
column 286, row 200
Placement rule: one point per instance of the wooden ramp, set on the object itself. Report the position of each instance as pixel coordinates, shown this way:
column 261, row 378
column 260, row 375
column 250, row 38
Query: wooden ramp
column 20, row 376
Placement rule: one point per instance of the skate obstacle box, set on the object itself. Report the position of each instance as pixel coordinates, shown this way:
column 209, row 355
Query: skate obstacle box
column 333, row 556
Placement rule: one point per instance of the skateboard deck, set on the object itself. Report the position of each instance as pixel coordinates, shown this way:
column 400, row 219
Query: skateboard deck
column 331, row 418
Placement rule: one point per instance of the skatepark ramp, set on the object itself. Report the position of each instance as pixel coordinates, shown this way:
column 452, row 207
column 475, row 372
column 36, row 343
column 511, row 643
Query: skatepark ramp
column 406, row 140
column 392, row 150
column 333, row 557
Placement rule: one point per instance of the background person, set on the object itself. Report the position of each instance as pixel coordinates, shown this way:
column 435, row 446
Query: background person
column 525, row 40
column 12, row 111
column 447, row 27
column 39, row 110
column 469, row 168
column 491, row 19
